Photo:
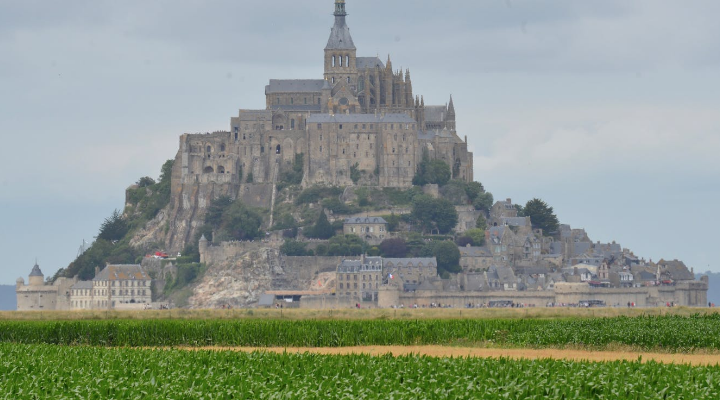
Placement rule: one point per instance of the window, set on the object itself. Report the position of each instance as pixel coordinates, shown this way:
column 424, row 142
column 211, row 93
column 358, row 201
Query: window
column 305, row 100
column 321, row 149
column 319, row 126
column 364, row 128
column 208, row 149
column 333, row 61
column 340, row 60
column 347, row 63
column 341, row 286
column 340, row 126
column 222, row 147
column 348, row 79
column 372, row 126
column 356, row 126
column 333, row 80
column 262, row 149
column 292, row 124
column 292, row 101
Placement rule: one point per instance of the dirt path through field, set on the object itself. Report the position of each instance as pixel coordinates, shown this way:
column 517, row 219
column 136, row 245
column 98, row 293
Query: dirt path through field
column 441, row 351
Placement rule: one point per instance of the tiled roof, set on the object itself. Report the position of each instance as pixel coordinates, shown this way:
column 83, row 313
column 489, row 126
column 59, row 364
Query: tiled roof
column 121, row 272
column 82, row 285
column 294, row 86
column 414, row 261
column 340, row 38
column 475, row 251
column 368, row 62
column 366, row 220
column 36, row 271
column 435, row 113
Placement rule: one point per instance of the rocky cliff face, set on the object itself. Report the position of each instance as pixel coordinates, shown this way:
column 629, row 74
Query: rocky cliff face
column 175, row 226
column 239, row 281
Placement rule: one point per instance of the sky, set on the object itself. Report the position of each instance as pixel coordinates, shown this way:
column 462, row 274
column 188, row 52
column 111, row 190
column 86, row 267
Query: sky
column 606, row 109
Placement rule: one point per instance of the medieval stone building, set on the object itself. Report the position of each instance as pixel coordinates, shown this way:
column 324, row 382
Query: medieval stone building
column 361, row 115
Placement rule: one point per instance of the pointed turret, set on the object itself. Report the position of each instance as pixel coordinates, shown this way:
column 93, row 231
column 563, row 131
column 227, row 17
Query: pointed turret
column 340, row 38
column 451, row 109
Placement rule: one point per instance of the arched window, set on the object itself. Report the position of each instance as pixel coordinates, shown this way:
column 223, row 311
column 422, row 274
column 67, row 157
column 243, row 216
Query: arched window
column 333, row 80
column 208, row 170
column 221, row 170
column 208, row 149
column 347, row 61
column 361, row 83
column 277, row 149
column 222, row 147
column 292, row 124
column 333, row 61
column 341, row 61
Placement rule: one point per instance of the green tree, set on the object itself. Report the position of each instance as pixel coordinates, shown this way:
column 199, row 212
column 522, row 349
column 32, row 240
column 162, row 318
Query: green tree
column 477, row 236
column 241, row 223
column 355, row 173
column 432, row 214
column 473, row 190
column 448, row 257
column 481, row 223
column 431, row 171
column 145, row 182
column 114, row 227
column 322, row 229
column 346, row 245
column 542, row 216
column 216, row 209
column 483, row 201
column 294, row 248
column 393, row 248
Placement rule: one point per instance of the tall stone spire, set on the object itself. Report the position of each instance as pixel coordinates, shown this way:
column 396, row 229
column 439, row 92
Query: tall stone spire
column 451, row 109
column 340, row 38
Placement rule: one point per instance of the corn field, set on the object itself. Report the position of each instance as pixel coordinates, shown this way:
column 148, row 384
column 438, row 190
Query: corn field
column 65, row 372
column 663, row 333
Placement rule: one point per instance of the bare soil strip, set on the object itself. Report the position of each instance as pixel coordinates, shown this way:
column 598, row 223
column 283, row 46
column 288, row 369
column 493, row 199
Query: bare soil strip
column 442, row 351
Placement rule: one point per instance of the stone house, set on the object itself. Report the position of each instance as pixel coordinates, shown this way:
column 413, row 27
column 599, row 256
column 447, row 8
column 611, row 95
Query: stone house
column 473, row 258
column 410, row 272
column 501, row 278
column 359, row 279
column 371, row 229
column 114, row 286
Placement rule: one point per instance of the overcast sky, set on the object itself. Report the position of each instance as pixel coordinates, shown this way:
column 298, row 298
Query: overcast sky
column 609, row 110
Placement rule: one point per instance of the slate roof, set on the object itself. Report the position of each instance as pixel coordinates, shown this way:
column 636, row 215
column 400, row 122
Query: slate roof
column 121, row 272
column 351, row 118
column 581, row 248
column 368, row 62
column 475, row 251
column 297, row 107
column 353, row 266
column 366, row 220
column 405, row 261
column 496, row 234
column 36, row 271
column 295, row 86
column 82, row 285
column 502, row 274
column 514, row 221
column 340, row 38
column 435, row 113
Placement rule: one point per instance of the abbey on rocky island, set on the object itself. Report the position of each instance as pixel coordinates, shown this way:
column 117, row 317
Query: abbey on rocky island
column 361, row 117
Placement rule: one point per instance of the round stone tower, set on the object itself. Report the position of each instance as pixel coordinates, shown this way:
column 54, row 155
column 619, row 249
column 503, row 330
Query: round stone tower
column 36, row 276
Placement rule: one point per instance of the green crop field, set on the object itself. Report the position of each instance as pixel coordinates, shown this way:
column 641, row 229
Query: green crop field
column 63, row 372
column 658, row 333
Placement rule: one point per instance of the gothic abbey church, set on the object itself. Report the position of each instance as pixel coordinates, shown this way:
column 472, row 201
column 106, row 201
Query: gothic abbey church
column 362, row 115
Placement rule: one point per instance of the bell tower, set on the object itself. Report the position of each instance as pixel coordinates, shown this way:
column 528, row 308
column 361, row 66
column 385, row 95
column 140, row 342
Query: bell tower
column 340, row 52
